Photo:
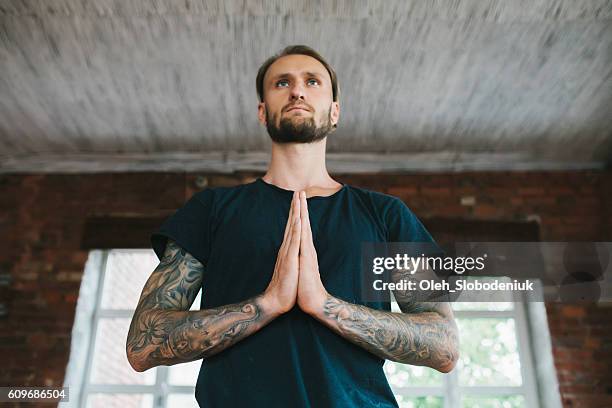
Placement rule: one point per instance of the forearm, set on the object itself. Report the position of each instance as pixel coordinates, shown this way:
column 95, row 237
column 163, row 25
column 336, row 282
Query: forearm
column 167, row 337
column 424, row 339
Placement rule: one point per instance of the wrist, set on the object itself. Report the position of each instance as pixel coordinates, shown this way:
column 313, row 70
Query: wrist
column 316, row 306
column 270, row 305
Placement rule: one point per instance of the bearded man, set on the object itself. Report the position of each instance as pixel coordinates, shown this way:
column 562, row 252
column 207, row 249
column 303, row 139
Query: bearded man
column 283, row 322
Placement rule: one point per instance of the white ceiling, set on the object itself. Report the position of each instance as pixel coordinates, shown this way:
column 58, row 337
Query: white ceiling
column 120, row 85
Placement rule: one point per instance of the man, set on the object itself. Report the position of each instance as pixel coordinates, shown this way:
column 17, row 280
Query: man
column 282, row 321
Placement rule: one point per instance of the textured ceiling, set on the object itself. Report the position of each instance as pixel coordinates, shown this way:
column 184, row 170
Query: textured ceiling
column 132, row 85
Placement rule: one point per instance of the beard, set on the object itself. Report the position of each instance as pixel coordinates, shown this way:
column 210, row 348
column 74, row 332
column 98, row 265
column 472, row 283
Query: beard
column 305, row 131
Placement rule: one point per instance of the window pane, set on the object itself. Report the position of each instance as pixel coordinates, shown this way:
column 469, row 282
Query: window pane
column 404, row 375
column 196, row 303
column 489, row 353
column 508, row 401
column 419, row 402
column 185, row 373
column 182, row 400
column 120, row 401
column 483, row 306
column 125, row 276
column 110, row 365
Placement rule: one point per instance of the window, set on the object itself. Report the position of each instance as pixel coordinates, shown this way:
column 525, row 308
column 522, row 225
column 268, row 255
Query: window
column 494, row 369
column 110, row 291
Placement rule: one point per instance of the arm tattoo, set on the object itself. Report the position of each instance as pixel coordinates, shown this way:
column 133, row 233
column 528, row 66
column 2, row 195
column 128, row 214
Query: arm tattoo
column 424, row 334
column 164, row 332
column 171, row 337
column 425, row 338
column 175, row 283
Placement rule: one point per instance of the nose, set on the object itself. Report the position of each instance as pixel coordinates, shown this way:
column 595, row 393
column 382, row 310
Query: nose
column 297, row 91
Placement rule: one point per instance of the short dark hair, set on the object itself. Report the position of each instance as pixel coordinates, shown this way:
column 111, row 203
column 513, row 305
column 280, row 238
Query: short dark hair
column 293, row 50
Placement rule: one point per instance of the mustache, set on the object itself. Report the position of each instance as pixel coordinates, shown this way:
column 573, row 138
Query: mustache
column 299, row 105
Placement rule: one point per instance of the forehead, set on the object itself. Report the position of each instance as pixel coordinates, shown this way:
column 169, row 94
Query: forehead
column 296, row 65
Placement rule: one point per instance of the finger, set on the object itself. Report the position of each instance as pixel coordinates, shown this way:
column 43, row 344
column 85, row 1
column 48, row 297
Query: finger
column 294, row 247
column 307, row 230
column 292, row 229
column 285, row 242
column 304, row 221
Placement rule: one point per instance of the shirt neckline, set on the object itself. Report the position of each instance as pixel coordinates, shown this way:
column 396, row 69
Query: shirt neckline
column 287, row 192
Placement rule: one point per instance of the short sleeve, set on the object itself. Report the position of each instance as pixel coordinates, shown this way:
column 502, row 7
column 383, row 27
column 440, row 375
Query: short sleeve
column 189, row 227
column 404, row 226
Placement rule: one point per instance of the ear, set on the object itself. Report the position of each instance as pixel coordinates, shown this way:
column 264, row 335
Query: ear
column 261, row 113
column 335, row 113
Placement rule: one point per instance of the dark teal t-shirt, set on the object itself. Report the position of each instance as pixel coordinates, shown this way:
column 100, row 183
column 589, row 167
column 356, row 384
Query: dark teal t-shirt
column 294, row 361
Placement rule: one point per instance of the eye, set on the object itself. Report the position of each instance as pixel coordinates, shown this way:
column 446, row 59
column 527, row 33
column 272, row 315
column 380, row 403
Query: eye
column 313, row 81
column 282, row 82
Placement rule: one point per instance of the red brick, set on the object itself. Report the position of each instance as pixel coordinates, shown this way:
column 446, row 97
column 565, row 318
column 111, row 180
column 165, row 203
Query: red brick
column 592, row 343
column 436, row 191
column 573, row 311
column 404, row 191
column 486, row 211
column 516, row 201
column 560, row 190
column 531, row 191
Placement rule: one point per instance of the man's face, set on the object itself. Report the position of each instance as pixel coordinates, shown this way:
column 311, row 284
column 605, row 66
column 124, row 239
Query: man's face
column 298, row 102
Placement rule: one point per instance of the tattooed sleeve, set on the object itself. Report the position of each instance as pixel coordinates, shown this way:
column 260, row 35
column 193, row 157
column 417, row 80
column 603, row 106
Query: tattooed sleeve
column 424, row 334
column 164, row 332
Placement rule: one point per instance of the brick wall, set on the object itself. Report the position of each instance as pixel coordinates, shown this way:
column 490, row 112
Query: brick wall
column 42, row 219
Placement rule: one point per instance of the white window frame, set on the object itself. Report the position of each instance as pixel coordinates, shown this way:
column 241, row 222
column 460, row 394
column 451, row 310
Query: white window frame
column 87, row 317
column 539, row 385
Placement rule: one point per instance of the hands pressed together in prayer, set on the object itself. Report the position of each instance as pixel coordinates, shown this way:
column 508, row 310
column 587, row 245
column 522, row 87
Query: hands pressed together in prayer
column 423, row 334
column 296, row 276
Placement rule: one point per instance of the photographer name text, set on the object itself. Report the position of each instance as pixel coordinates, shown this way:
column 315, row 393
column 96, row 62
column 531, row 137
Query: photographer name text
column 458, row 285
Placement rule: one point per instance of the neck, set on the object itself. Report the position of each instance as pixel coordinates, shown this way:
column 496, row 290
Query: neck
column 299, row 166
